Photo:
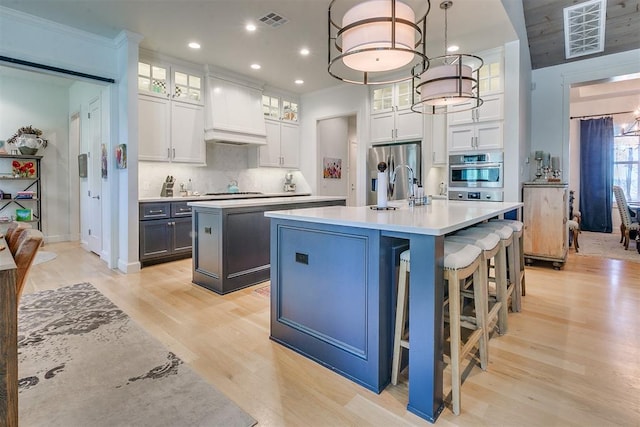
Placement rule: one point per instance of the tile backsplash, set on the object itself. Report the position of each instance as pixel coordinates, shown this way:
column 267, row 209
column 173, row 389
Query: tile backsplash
column 225, row 163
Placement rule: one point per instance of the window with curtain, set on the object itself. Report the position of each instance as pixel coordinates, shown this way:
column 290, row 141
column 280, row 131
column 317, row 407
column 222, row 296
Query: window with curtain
column 626, row 165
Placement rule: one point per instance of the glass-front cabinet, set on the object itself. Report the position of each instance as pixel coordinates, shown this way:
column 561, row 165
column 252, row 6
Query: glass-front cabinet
column 278, row 108
column 165, row 80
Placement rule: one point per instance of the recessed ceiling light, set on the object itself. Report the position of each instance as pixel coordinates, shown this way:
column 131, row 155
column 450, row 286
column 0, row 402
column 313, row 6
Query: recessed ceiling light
column 250, row 27
column 256, row 66
column 299, row 81
column 453, row 48
column 194, row 45
column 304, row 51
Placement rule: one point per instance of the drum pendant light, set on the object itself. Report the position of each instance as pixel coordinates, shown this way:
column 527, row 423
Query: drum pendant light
column 375, row 41
column 451, row 79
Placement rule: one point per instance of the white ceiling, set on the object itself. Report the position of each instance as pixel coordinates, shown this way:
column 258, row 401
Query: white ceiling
column 218, row 25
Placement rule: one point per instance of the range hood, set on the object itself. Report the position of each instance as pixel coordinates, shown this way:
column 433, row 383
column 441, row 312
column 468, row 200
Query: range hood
column 234, row 112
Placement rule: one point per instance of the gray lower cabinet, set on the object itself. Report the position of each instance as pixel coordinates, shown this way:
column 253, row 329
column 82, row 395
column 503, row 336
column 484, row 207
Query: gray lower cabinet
column 165, row 232
column 232, row 245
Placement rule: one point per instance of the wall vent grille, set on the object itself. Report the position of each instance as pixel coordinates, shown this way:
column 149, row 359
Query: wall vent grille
column 584, row 28
column 273, row 20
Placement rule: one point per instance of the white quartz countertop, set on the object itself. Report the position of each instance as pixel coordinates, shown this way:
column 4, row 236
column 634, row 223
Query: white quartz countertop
column 438, row 218
column 228, row 196
column 242, row 203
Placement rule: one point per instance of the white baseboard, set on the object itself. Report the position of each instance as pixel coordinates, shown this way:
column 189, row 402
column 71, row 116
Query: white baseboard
column 131, row 267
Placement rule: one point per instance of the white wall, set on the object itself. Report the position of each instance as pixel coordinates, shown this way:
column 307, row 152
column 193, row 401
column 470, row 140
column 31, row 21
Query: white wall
column 26, row 100
column 342, row 100
column 550, row 99
column 333, row 143
column 33, row 39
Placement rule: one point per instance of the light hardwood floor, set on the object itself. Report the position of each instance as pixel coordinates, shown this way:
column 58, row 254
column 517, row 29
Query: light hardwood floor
column 571, row 357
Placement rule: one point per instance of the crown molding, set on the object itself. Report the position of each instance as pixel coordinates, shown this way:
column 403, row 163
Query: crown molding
column 32, row 20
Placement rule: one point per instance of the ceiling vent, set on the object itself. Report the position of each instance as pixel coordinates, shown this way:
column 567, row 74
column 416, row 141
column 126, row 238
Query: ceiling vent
column 584, row 28
column 273, row 20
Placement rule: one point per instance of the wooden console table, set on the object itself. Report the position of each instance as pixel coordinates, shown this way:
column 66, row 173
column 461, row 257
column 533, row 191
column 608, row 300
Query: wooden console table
column 8, row 339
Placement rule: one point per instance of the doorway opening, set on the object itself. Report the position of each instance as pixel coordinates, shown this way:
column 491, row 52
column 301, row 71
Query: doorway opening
column 337, row 157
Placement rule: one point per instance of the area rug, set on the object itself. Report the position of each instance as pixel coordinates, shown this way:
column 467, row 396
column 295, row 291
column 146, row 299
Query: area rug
column 44, row 256
column 264, row 291
column 84, row 362
column 606, row 245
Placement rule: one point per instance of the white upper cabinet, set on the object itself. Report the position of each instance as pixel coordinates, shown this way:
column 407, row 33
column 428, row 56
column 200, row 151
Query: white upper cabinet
column 283, row 134
column 170, row 131
column 391, row 116
column 166, row 80
column 170, row 113
column 491, row 109
column 481, row 128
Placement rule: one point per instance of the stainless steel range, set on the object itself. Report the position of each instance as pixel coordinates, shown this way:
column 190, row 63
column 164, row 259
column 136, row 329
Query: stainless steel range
column 476, row 176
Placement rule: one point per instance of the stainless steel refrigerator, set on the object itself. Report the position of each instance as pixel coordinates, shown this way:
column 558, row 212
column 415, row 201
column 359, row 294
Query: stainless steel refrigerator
column 393, row 155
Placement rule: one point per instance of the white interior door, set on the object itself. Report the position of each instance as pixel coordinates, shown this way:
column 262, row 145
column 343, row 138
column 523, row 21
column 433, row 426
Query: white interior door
column 94, row 172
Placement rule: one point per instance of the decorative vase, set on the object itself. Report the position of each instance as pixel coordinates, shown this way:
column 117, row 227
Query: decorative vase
column 29, row 143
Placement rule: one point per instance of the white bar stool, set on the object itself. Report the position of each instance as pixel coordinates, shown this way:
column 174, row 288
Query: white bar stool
column 489, row 242
column 460, row 262
column 518, row 231
column 506, row 238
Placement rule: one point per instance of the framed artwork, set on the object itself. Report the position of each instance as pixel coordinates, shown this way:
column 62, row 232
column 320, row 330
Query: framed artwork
column 121, row 156
column 82, row 165
column 332, row 168
column 104, row 161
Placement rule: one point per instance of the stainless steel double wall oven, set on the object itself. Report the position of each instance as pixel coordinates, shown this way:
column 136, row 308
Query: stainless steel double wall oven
column 476, row 176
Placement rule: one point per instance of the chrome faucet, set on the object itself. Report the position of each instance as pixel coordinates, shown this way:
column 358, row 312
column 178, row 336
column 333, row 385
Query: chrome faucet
column 412, row 196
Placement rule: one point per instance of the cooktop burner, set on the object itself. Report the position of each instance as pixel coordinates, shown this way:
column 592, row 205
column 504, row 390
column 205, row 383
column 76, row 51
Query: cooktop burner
column 226, row 193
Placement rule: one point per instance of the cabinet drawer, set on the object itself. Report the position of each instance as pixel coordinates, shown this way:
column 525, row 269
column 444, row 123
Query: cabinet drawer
column 179, row 209
column 154, row 211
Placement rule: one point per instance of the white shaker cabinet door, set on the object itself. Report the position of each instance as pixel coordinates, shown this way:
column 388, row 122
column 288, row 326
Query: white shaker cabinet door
column 408, row 125
column 462, row 138
column 290, row 145
column 154, row 128
column 187, row 133
column 382, row 127
column 489, row 136
column 270, row 154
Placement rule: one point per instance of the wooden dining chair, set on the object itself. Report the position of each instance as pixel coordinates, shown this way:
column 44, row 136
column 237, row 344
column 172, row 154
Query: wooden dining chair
column 626, row 225
column 11, row 229
column 28, row 245
column 13, row 237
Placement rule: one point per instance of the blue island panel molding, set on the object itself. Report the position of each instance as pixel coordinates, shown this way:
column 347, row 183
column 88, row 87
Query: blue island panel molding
column 331, row 297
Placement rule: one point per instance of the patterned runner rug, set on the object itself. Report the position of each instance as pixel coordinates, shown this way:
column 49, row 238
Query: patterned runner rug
column 84, row 362
column 606, row 245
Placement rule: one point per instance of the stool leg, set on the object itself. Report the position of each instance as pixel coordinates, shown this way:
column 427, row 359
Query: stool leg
column 522, row 270
column 481, row 301
column 514, row 277
column 454, row 331
column 501, row 289
column 575, row 242
column 401, row 314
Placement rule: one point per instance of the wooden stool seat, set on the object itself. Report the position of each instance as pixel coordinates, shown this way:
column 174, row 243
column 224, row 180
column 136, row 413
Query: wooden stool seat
column 460, row 262
column 489, row 242
column 518, row 231
column 514, row 275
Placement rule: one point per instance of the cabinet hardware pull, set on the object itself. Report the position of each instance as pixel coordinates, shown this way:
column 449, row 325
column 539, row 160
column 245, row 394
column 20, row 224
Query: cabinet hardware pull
column 168, row 153
column 156, row 211
column 174, row 153
column 207, row 230
column 185, row 209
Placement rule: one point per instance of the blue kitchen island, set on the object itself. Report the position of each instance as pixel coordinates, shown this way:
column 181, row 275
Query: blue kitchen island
column 332, row 293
